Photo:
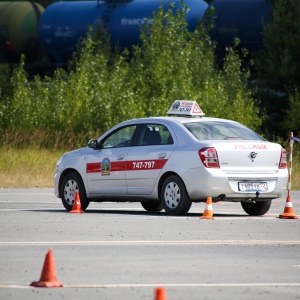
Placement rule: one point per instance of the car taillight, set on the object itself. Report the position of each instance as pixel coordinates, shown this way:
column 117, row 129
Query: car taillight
column 209, row 157
column 282, row 163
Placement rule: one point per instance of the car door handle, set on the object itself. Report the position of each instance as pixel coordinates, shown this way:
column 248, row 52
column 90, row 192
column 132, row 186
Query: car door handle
column 120, row 157
column 162, row 155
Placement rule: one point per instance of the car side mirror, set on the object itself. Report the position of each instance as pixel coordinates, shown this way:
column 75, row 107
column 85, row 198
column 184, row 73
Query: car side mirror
column 93, row 144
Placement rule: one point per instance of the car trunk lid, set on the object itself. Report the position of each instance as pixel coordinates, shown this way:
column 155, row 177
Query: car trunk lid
column 248, row 156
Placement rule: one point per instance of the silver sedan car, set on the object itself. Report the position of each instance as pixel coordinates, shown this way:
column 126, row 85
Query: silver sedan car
column 170, row 162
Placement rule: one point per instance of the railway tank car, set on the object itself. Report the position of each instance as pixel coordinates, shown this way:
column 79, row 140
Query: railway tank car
column 27, row 28
column 64, row 23
column 19, row 31
column 241, row 19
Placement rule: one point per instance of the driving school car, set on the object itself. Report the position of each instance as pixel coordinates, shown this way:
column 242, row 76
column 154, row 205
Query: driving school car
column 173, row 161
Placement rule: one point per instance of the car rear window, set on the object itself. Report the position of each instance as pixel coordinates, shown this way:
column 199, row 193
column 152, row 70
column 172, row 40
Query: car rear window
column 217, row 130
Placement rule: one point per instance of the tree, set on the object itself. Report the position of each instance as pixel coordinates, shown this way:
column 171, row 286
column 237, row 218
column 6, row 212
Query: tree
column 278, row 64
column 103, row 87
column 174, row 63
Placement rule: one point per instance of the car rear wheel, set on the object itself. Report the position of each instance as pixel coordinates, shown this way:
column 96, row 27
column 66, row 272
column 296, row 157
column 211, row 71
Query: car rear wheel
column 175, row 198
column 256, row 208
column 71, row 184
column 152, row 206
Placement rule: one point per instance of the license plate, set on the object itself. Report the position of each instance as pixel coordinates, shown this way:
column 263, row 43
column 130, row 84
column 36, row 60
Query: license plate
column 253, row 186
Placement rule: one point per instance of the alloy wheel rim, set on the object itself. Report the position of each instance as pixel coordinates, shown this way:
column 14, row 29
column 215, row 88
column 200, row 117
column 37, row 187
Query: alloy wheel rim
column 71, row 187
column 172, row 195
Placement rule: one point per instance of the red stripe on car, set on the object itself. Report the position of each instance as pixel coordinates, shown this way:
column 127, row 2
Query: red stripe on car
column 96, row 167
column 93, row 167
column 133, row 165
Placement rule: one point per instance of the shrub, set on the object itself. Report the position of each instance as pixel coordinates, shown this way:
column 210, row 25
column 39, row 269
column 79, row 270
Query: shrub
column 103, row 87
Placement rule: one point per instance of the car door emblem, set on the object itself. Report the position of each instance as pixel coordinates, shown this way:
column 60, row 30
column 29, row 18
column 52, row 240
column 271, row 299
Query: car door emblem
column 105, row 166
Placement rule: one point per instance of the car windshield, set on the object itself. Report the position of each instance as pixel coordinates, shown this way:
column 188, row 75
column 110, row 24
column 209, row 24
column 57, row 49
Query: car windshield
column 218, row 130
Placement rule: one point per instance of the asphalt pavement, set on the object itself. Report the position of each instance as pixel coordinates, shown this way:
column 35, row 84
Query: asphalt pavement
column 120, row 251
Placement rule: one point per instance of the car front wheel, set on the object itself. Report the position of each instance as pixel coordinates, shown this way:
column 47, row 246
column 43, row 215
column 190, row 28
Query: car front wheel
column 71, row 184
column 258, row 208
column 174, row 196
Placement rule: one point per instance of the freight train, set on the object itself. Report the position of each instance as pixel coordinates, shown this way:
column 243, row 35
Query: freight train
column 53, row 32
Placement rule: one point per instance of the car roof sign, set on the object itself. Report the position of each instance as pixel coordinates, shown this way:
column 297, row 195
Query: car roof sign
column 186, row 108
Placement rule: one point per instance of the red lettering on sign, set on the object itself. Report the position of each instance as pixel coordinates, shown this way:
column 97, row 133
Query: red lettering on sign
column 250, row 147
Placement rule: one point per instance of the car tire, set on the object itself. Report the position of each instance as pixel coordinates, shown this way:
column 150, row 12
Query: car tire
column 174, row 196
column 258, row 208
column 152, row 206
column 71, row 184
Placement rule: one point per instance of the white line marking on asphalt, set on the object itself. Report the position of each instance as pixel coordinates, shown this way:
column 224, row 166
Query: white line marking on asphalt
column 30, row 202
column 150, row 243
column 26, row 194
column 187, row 285
column 167, row 285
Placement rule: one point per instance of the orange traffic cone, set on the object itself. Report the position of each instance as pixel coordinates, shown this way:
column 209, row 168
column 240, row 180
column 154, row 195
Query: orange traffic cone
column 160, row 294
column 76, row 209
column 48, row 277
column 288, row 212
column 208, row 213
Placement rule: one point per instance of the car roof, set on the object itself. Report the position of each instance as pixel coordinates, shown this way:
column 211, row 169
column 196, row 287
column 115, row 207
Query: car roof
column 177, row 119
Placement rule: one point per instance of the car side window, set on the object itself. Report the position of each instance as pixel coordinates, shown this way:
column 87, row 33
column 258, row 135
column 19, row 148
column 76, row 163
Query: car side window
column 120, row 138
column 155, row 134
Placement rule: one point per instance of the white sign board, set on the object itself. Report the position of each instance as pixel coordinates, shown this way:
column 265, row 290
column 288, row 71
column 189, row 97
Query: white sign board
column 185, row 107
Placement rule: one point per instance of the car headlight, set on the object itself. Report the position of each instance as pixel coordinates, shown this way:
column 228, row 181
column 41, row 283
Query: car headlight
column 60, row 160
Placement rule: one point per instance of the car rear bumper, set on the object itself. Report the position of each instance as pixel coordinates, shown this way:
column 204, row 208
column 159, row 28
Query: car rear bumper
column 216, row 184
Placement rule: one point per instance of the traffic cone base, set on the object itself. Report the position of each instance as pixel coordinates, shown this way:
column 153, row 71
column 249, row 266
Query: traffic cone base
column 48, row 277
column 208, row 213
column 288, row 216
column 76, row 209
column 46, row 284
column 288, row 212
column 160, row 294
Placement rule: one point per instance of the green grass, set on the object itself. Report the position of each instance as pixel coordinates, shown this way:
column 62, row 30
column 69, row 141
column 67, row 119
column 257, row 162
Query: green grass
column 34, row 168
column 27, row 168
